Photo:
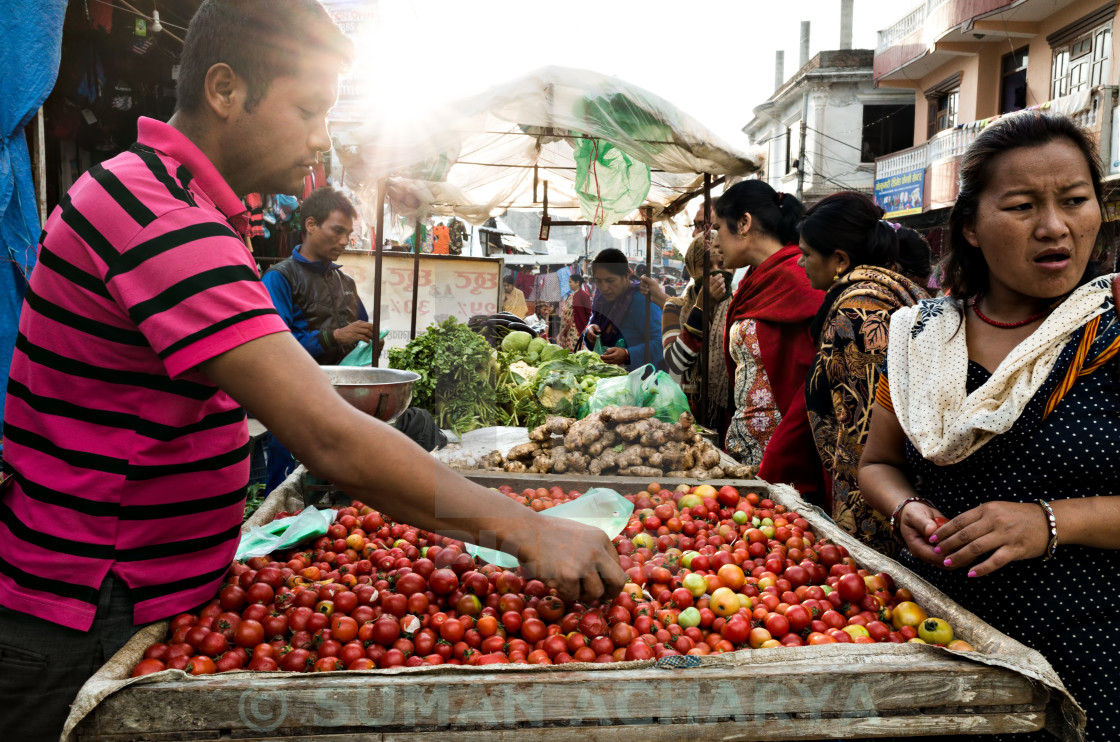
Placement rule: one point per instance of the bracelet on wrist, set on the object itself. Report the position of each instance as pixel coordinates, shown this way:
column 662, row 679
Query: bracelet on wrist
column 896, row 517
column 1052, row 524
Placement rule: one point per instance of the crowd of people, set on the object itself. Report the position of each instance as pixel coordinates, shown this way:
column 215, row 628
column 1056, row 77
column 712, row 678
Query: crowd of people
column 971, row 434
column 967, row 430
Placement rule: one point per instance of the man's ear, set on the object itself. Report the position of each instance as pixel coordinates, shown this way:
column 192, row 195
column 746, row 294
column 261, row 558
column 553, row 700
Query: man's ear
column 224, row 90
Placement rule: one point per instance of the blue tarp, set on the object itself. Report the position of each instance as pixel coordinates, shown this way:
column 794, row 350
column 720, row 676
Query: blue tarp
column 32, row 43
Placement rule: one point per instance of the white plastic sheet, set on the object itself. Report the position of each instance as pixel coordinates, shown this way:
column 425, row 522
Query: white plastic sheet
column 475, row 158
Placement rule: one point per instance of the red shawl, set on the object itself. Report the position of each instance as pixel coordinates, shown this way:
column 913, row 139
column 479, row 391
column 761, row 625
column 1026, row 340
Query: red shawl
column 777, row 295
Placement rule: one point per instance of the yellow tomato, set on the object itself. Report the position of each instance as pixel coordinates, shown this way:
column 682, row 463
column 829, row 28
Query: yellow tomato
column 725, row 602
column 907, row 613
column 935, row 631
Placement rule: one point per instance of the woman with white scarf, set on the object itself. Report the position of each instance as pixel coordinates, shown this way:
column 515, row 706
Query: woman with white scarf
column 999, row 410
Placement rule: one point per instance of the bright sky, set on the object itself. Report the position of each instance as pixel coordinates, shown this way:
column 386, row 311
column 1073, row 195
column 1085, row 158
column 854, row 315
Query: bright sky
column 714, row 59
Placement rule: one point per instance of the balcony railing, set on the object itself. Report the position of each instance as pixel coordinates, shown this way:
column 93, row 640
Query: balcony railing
column 1089, row 111
column 907, row 25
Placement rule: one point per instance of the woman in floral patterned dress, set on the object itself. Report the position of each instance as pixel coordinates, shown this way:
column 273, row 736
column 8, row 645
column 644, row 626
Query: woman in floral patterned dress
column 767, row 344
column 860, row 260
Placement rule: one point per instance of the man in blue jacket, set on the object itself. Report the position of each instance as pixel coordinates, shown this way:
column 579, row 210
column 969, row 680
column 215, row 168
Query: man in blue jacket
column 317, row 301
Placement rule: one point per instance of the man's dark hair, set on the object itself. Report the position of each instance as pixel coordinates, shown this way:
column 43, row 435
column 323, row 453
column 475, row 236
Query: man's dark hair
column 321, row 203
column 510, row 280
column 259, row 39
column 613, row 260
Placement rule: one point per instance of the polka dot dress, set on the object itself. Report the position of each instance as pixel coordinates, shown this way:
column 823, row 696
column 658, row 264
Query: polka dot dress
column 1066, row 608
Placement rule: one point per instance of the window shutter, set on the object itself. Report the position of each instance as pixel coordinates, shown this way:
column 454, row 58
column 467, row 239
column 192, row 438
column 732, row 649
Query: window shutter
column 947, row 85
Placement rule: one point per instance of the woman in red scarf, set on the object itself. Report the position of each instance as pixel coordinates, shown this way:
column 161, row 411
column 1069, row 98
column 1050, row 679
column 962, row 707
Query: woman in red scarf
column 768, row 347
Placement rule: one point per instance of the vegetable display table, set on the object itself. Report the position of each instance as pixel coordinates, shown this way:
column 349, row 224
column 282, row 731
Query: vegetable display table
column 785, row 693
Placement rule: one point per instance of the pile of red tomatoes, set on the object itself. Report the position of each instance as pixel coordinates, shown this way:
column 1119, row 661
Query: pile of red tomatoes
column 710, row 571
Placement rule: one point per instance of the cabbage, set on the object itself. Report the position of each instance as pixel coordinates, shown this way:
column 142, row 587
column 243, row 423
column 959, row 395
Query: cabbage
column 517, row 341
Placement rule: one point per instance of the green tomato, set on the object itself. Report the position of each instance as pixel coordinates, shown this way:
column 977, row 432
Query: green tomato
column 767, row 521
column 826, row 589
column 740, row 517
column 643, row 541
column 695, row 584
column 689, row 617
column 756, row 522
column 686, row 558
column 768, row 530
column 423, row 551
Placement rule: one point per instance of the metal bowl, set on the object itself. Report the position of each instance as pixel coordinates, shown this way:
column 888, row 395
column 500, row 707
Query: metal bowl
column 383, row 393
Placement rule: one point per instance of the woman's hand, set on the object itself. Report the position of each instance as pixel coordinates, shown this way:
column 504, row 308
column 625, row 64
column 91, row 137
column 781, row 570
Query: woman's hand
column 917, row 524
column 652, row 289
column 1008, row 530
column 616, row 356
column 592, row 333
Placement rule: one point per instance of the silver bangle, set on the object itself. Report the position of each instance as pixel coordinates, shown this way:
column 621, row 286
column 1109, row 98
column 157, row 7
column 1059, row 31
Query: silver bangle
column 1052, row 522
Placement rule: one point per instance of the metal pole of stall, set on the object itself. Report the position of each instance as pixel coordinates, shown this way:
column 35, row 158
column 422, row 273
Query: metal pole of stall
column 378, row 248
column 415, row 276
column 649, row 272
column 707, row 307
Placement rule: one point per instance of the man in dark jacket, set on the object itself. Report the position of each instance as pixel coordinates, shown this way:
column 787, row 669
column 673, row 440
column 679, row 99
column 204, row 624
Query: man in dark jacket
column 317, row 301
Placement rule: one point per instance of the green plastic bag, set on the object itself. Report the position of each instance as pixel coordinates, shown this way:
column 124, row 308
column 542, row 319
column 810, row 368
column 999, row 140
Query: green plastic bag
column 600, row 507
column 656, row 390
column 284, row 533
column 362, row 355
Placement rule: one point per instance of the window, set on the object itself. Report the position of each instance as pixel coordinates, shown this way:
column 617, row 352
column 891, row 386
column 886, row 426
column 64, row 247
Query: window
column 942, row 101
column 1081, row 53
column 886, row 129
column 793, row 146
column 943, row 112
column 1013, row 85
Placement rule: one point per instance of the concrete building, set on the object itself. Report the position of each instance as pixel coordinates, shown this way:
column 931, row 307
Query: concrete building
column 965, row 63
column 846, row 123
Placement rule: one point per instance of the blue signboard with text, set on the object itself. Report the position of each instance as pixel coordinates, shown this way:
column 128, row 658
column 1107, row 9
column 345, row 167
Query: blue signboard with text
column 900, row 195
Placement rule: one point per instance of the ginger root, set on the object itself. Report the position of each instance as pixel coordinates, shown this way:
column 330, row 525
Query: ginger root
column 524, row 451
column 626, row 414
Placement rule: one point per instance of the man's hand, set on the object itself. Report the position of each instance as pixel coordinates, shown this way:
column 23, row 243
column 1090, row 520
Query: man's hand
column 1009, row 531
column 652, row 289
column 592, row 333
column 353, row 333
column 576, row 559
column 617, row 356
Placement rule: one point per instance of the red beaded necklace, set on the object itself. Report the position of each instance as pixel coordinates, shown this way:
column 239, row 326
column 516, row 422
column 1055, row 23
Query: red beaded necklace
column 1007, row 325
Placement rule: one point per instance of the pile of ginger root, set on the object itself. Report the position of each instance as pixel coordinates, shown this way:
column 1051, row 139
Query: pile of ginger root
column 623, row 441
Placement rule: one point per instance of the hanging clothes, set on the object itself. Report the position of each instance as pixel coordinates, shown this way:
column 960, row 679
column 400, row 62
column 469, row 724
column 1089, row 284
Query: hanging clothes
column 562, row 275
column 524, row 282
column 255, row 204
column 546, row 287
column 458, row 234
column 441, row 240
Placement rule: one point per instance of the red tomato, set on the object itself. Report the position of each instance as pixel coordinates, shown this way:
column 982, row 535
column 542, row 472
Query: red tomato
column 248, row 634
column 147, row 667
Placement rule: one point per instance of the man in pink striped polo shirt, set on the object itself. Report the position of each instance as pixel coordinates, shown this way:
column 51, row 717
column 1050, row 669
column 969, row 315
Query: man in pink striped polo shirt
column 145, row 335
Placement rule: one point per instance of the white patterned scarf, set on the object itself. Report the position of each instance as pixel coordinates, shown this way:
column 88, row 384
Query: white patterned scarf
column 927, row 363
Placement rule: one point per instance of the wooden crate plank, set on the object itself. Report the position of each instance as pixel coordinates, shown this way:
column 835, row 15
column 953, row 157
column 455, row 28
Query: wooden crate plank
column 583, row 482
column 773, row 728
column 815, row 689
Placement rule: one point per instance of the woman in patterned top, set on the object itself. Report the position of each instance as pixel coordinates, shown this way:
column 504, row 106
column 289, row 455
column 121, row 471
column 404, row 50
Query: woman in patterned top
column 1006, row 395
column 767, row 346
column 848, row 251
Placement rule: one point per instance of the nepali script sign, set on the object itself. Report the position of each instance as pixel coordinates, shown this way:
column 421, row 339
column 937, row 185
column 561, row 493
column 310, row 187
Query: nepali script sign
column 900, row 195
column 448, row 286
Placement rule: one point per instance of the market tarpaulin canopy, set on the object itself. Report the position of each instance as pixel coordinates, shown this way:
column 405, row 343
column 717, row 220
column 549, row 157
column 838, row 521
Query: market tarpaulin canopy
column 605, row 147
column 29, row 56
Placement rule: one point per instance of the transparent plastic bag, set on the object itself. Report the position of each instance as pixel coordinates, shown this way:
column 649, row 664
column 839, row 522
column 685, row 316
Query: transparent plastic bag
column 642, row 387
column 602, row 508
column 285, row 532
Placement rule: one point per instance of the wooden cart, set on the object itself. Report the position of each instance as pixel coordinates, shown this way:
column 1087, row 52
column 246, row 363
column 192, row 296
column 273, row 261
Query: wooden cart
column 822, row 692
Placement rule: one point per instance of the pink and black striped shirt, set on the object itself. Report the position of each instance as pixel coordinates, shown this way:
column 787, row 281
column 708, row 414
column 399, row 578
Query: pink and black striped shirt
column 122, row 456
